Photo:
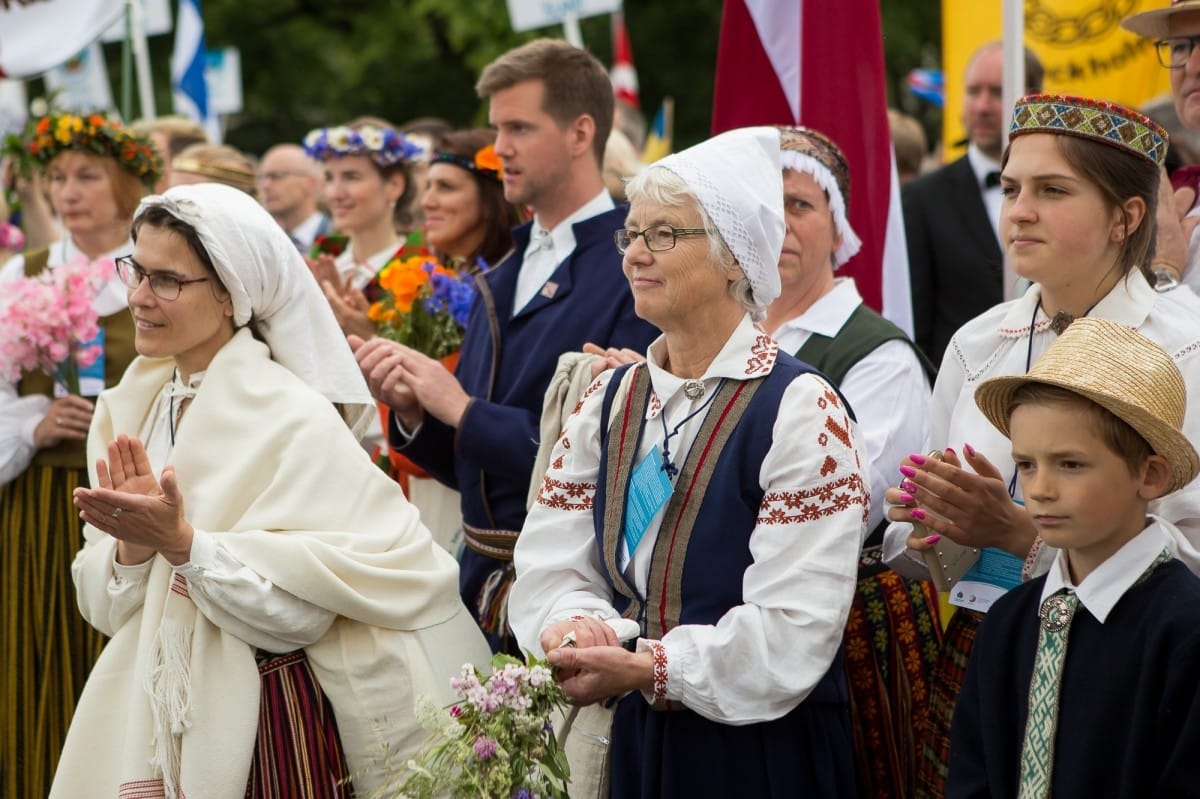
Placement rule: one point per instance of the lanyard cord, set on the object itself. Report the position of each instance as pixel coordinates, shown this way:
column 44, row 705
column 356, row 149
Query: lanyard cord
column 667, row 465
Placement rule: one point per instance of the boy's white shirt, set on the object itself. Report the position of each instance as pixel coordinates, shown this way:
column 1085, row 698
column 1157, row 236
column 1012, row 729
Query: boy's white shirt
column 1103, row 588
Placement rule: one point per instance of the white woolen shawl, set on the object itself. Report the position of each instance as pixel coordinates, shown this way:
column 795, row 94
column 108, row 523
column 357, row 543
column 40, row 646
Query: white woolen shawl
column 266, row 465
column 272, row 286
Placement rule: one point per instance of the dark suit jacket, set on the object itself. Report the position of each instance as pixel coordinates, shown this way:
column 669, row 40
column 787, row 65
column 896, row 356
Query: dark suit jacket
column 954, row 260
column 506, row 365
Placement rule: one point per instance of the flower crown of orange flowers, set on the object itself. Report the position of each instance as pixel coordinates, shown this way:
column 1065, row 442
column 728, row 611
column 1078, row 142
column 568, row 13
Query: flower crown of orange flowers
column 484, row 163
column 52, row 135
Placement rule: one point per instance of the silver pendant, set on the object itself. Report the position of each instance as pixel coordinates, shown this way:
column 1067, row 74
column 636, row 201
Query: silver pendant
column 1055, row 613
column 693, row 389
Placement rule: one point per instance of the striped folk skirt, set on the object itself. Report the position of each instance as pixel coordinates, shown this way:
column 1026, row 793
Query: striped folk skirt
column 297, row 751
column 892, row 641
column 946, row 683
column 46, row 648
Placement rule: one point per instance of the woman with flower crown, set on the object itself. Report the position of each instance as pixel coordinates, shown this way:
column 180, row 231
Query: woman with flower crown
column 1080, row 183
column 368, row 188
column 97, row 170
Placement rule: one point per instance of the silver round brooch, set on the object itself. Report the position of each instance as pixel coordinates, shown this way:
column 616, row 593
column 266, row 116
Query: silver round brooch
column 693, row 389
column 1055, row 613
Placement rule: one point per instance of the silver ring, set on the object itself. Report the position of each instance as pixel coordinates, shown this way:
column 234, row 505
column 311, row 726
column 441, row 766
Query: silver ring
column 58, row 421
column 116, row 514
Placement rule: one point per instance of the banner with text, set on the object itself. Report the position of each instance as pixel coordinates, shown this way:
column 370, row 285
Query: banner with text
column 1081, row 44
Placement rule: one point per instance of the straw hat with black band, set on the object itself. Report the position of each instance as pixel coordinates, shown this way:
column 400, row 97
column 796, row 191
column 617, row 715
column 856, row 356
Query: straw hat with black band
column 1120, row 370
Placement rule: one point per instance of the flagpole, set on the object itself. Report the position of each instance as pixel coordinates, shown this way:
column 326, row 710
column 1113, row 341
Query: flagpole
column 127, row 65
column 1014, row 57
column 571, row 30
column 141, row 57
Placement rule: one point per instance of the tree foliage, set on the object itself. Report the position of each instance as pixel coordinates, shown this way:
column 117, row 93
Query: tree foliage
column 308, row 63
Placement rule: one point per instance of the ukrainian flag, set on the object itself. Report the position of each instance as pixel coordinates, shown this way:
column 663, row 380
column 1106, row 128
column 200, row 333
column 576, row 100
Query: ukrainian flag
column 658, row 140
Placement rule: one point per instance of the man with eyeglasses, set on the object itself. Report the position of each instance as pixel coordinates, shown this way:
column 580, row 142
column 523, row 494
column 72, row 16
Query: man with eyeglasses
column 289, row 186
column 1175, row 31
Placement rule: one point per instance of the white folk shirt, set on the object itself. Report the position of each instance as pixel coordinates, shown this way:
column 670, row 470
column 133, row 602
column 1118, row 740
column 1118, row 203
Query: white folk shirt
column 797, row 593
column 999, row 343
column 547, row 249
column 887, row 390
column 20, row 416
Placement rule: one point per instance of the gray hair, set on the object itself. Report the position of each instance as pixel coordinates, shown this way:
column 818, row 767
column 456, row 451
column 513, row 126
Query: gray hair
column 664, row 187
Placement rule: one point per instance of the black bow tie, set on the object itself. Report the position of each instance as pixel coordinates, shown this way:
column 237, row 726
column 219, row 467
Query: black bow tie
column 991, row 180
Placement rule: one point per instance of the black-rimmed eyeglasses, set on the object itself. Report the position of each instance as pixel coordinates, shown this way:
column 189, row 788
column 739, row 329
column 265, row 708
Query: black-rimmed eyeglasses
column 165, row 286
column 658, row 238
column 1174, row 53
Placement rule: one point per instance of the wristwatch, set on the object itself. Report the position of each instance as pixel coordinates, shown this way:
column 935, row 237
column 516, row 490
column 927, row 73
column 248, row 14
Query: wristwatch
column 1164, row 279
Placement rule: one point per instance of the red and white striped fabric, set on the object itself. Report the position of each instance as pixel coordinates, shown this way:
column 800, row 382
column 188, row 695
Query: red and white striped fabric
column 767, row 48
column 623, row 74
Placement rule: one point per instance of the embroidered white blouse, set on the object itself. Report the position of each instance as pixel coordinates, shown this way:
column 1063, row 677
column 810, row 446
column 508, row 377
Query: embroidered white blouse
column 20, row 416
column 999, row 342
column 764, row 656
column 887, row 389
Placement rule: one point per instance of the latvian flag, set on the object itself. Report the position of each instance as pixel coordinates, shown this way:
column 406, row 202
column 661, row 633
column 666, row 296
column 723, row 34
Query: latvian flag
column 819, row 63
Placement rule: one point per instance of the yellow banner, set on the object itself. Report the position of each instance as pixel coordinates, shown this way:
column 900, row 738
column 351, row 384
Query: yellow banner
column 1080, row 43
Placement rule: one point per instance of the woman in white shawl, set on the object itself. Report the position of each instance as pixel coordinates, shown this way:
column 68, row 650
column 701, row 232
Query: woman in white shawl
column 269, row 592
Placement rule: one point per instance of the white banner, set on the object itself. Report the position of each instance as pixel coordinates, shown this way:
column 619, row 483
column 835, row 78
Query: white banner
column 36, row 35
column 13, row 109
column 82, row 83
column 156, row 20
column 528, row 14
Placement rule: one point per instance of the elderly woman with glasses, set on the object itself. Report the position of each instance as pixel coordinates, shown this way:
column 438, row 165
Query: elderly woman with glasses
column 274, row 602
column 691, row 556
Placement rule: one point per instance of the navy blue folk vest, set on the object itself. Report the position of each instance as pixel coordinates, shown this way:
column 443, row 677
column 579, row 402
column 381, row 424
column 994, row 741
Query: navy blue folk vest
column 717, row 553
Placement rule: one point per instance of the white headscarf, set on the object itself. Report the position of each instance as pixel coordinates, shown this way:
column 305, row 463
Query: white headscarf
column 272, row 286
column 738, row 177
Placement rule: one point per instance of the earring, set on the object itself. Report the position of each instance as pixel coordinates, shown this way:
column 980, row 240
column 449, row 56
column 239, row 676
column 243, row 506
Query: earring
column 1118, row 236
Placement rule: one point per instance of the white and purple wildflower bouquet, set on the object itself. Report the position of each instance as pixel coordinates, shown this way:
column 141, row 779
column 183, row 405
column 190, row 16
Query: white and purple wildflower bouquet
column 496, row 741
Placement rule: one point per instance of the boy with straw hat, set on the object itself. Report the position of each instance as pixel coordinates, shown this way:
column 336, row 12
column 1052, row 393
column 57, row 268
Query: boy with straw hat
column 1095, row 431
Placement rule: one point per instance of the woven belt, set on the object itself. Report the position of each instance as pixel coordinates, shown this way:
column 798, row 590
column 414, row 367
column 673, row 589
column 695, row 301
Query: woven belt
column 493, row 543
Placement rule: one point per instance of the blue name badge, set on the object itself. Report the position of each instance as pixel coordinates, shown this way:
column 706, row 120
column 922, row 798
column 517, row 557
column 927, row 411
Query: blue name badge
column 649, row 490
column 995, row 573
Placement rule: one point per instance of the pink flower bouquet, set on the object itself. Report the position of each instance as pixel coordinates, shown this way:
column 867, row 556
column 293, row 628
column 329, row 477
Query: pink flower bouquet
column 47, row 321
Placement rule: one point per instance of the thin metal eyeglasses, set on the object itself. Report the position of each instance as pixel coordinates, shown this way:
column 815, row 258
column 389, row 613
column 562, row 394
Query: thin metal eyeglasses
column 165, row 287
column 1174, row 53
column 658, row 238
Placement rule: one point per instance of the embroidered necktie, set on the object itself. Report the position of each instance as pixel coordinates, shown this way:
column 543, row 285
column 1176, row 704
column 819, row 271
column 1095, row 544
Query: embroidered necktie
column 1037, row 751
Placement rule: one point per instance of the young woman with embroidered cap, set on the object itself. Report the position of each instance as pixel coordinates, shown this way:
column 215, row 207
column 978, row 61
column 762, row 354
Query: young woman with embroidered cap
column 96, row 171
column 276, row 606
column 709, row 503
column 1080, row 182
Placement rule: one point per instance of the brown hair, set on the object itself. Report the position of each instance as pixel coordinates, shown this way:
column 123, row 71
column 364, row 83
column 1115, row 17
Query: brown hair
column 403, row 214
column 181, row 133
column 1116, row 434
column 499, row 215
column 219, row 163
column 160, row 218
column 1119, row 175
column 575, row 84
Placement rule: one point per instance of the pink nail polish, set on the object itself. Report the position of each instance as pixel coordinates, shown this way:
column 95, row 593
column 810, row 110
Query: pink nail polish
column 908, row 471
column 917, row 459
column 970, row 450
column 918, row 514
column 909, row 486
column 905, row 497
column 949, row 451
column 933, row 539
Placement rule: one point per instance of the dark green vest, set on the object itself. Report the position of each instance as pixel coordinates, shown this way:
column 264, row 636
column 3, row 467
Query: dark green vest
column 862, row 334
column 119, row 351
